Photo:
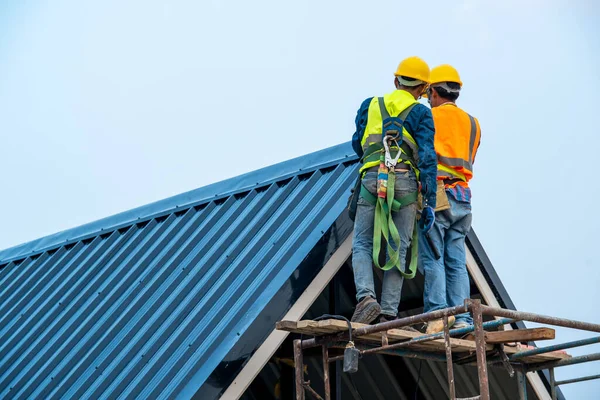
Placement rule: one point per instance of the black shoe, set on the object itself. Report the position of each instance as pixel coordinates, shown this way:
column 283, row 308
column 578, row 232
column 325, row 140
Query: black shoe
column 388, row 318
column 366, row 311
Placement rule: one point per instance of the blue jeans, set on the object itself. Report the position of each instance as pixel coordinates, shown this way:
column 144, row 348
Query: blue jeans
column 447, row 279
column 362, row 244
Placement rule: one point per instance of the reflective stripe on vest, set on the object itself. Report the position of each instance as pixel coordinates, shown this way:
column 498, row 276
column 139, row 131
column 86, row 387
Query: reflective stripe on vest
column 455, row 162
column 445, row 172
column 472, row 140
column 399, row 101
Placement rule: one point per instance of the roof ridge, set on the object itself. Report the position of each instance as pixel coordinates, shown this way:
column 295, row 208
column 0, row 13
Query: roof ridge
column 228, row 187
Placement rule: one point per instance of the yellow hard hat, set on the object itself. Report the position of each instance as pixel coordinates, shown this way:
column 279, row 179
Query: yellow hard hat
column 444, row 73
column 413, row 67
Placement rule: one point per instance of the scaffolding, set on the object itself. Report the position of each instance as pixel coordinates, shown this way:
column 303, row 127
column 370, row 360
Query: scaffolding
column 519, row 362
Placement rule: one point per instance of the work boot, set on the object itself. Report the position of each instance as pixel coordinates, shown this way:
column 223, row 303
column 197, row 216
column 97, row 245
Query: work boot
column 466, row 336
column 387, row 318
column 366, row 310
column 438, row 325
column 460, row 325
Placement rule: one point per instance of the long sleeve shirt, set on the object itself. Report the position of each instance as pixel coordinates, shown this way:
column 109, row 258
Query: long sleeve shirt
column 420, row 125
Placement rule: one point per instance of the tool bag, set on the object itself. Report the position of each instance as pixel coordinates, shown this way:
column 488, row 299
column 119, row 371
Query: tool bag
column 442, row 202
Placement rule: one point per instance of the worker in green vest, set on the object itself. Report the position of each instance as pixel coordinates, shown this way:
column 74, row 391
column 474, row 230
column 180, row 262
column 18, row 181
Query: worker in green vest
column 394, row 138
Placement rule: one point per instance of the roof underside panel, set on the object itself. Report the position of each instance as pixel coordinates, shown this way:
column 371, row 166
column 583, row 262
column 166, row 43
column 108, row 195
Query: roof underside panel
column 143, row 310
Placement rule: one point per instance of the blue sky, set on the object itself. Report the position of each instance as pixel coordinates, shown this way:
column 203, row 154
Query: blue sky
column 108, row 105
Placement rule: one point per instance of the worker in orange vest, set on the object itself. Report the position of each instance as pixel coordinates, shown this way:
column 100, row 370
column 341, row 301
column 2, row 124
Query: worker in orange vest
column 457, row 136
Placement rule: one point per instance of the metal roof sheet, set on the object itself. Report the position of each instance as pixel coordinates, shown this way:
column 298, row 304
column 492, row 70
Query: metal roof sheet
column 145, row 304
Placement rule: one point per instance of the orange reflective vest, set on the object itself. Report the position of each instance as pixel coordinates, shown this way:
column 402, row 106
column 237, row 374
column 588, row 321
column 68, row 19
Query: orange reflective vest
column 457, row 136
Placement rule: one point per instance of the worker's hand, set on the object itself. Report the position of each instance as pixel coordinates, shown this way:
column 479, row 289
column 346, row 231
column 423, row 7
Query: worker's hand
column 427, row 219
column 429, row 196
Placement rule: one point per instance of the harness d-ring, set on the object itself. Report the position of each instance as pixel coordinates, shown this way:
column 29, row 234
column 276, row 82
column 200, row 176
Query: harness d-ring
column 389, row 161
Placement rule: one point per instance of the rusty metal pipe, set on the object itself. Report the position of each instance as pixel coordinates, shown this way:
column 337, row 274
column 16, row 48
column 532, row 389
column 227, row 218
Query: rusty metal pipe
column 476, row 311
column 309, row 343
column 449, row 359
column 312, row 391
column 336, row 358
column 394, row 352
column 326, row 373
column 298, row 367
column 385, row 326
column 435, row 336
column 562, row 346
column 395, row 346
column 415, row 319
column 542, row 319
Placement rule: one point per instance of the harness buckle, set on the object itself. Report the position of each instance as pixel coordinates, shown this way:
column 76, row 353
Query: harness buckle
column 390, row 161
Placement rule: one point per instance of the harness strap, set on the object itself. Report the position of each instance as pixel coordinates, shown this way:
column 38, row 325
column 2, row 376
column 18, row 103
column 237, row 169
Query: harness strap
column 382, row 109
column 396, row 204
column 403, row 115
column 385, row 114
column 371, row 151
column 385, row 227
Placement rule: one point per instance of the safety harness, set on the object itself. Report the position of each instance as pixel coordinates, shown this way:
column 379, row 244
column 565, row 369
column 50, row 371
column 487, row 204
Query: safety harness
column 385, row 203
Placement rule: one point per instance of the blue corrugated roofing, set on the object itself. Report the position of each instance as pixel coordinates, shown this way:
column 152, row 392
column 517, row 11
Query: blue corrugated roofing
column 145, row 304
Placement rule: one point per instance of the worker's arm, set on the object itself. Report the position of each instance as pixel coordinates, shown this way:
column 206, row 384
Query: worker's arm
column 361, row 123
column 420, row 123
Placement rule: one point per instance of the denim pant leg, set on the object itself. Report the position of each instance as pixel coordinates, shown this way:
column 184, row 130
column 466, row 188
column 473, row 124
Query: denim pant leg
column 404, row 219
column 434, row 292
column 393, row 279
column 457, row 277
column 362, row 245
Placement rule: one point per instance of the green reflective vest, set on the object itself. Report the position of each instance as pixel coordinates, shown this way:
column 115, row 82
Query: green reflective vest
column 394, row 104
